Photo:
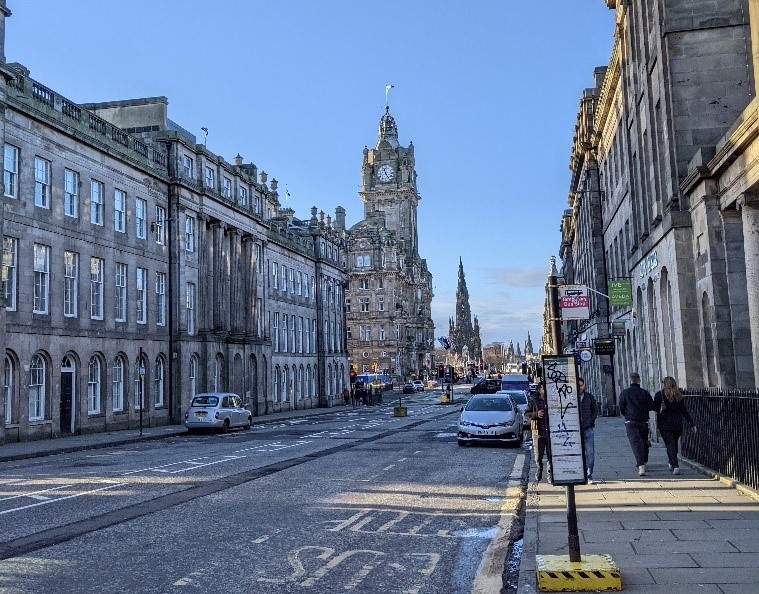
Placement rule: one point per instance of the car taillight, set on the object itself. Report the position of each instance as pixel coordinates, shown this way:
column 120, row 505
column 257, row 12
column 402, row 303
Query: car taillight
column 187, row 414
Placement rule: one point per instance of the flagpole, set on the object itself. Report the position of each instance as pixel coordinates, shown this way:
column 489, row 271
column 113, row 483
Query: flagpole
column 387, row 93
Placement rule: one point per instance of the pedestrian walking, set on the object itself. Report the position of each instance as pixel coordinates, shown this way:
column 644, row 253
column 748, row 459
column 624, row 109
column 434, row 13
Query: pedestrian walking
column 588, row 415
column 671, row 412
column 635, row 404
column 346, row 395
column 537, row 414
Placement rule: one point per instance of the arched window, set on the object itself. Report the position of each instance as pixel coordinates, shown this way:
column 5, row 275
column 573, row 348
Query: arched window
column 117, row 384
column 37, row 389
column 93, row 386
column 192, row 379
column 277, row 381
column 158, row 383
column 8, row 389
column 308, row 381
column 302, row 378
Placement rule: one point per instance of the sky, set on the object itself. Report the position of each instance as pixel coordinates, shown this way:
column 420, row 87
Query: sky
column 488, row 91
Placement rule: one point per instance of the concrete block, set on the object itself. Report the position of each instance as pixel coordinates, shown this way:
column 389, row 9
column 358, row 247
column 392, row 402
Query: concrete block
column 727, row 560
column 705, row 575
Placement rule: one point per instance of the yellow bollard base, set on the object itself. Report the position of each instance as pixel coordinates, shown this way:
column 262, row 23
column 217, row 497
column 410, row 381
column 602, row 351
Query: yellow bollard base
column 556, row 573
column 400, row 411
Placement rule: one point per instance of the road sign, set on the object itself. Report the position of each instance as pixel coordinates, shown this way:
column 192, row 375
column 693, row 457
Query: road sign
column 574, row 302
column 581, row 344
column 585, row 355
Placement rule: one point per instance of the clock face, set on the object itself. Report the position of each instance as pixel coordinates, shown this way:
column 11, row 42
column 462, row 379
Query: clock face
column 385, row 173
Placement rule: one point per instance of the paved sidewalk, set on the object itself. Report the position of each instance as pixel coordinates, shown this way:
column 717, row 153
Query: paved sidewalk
column 668, row 534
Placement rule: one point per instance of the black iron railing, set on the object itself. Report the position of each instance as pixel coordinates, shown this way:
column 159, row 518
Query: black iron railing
column 727, row 439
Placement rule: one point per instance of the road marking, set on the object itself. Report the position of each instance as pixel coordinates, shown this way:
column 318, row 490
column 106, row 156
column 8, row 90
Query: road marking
column 33, row 493
column 192, row 462
column 7, row 511
column 389, row 467
column 489, row 577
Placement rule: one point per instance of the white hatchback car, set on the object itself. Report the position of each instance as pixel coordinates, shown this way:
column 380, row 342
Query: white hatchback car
column 217, row 410
column 418, row 385
column 490, row 418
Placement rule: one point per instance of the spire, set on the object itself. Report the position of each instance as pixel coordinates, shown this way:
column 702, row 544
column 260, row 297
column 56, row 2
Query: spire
column 387, row 129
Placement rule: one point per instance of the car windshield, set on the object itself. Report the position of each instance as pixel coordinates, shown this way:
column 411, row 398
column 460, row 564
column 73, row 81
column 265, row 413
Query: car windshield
column 518, row 396
column 492, row 404
column 205, row 401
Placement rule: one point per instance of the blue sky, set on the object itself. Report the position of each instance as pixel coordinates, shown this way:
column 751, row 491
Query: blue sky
column 488, row 91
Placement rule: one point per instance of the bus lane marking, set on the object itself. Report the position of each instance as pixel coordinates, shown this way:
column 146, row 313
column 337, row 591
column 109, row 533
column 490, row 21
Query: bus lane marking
column 57, row 499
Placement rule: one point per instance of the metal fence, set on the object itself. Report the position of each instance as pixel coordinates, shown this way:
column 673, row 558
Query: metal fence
column 727, row 440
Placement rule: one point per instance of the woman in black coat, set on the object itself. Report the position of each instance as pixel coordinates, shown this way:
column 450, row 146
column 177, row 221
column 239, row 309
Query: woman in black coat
column 671, row 412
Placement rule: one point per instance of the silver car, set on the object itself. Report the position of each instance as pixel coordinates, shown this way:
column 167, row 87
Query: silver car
column 520, row 397
column 217, row 410
column 490, row 418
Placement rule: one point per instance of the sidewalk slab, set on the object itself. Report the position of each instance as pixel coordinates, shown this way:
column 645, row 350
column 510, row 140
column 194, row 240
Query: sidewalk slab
column 673, row 534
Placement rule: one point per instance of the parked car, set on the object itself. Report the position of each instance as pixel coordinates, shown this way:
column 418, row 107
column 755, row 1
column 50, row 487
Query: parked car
column 486, row 386
column 520, row 397
column 490, row 418
column 217, row 410
column 419, row 385
column 409, row 388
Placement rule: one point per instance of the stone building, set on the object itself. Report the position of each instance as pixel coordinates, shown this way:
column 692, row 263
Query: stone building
column 140, row 268
column 675, row 97
column 389, row 323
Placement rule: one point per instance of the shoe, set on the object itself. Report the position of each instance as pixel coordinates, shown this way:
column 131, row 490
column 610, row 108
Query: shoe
column 670, row 466
column 590, row 480
column 675, row 470
column 641, row 470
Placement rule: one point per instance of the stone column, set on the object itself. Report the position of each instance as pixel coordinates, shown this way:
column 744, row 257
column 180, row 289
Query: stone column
column 247, row 285
column 218, row 276
column 203, row 292
column 236, row 299
column 750, row 215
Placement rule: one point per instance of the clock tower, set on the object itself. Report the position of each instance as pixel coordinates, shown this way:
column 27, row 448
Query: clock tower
column 390, row 287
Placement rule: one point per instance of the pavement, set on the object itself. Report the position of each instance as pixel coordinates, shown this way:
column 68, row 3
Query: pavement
column 674, row 534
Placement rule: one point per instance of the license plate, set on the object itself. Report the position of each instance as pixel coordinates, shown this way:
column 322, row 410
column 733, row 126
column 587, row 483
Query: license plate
column 201, row 413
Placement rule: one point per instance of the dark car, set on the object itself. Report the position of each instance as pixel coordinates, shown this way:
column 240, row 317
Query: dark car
column 409, row 388
column 486, row 386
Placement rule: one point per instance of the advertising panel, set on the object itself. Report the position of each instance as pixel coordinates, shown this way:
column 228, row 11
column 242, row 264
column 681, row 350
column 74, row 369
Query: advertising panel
column 574, row 302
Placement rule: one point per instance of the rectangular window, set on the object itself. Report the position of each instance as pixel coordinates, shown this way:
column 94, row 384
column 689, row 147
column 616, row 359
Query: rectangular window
column 210, row 178
column 313, row 288
column 119, row 211
column 41, row 278
column 285, row 334
column 10, row 266
column 190, row 308
column 41, row 182
column 274, row 275
column 93, row 387
column 363, row 304
column 121, row 292
column 380, row 303
column 300, row 283
column 363, row 283
column 305, row 285
column 10, row 171
column 140, row 211
column 397, row 332
column 293, row 334
column 348, row 332
column 364, row 261
column 365, row 333
column 380, row 283
column 242, row 196
column 160, row 225
column 284, row 278
column 142, row 296
column 275, row 332
column 70, row 284
column 96, row 288
column 300, row 334
column 160, row 295
column 70, row 193
column 313, row 336
column 348, row 305
column 97, row 191
column 226, row 187
column 117, row 387
column 382, row 333
column 189, row 233
column 291, row 273
column 187, row 166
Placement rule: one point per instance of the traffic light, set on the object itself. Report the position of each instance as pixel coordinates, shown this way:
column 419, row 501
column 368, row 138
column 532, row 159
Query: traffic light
column 441, row 371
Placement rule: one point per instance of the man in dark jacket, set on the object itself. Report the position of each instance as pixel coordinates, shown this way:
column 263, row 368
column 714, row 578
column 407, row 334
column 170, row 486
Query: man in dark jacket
column 635, row 404
column 537, row 414
column 588, row 414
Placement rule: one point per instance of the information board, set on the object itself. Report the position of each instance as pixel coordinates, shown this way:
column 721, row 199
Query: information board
column 574, row 302
column 566, row 445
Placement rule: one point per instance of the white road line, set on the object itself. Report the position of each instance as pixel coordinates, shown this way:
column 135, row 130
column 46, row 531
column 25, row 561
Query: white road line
column 40, row 497
column 388, row 467
column 195, row 465
column 33, row 493
column 7, row 511
column 489, row 577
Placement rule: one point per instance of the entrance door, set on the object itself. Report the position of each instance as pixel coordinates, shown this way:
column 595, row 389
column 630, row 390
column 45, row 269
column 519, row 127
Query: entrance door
column 67, row 396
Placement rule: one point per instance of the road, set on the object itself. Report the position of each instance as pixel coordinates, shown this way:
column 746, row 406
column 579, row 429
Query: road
column 355, row 500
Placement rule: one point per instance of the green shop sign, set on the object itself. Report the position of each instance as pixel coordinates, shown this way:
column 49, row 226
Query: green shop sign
column 620, row 293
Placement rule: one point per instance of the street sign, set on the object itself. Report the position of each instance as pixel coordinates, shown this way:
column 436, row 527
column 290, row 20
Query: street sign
column 574, row 302
column 581, row 344
column 566, row 451
column 618, row 329
column 620, row 292
column 604, row 346
column 586, row 355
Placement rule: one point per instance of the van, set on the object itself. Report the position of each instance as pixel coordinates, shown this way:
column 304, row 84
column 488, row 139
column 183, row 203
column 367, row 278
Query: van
column 515, row 381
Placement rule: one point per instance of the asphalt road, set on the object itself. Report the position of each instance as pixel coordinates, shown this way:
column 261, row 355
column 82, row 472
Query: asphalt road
column 355, row 500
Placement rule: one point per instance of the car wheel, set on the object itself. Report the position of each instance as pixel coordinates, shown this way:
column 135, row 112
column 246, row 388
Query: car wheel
column 461, row 442
column 248, row 424
column 225, row 426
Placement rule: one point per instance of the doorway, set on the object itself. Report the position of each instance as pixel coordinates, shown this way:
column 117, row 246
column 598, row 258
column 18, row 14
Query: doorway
column 68, row 373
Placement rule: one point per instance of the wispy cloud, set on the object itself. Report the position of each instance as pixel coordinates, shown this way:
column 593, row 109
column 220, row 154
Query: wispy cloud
column 528, row 277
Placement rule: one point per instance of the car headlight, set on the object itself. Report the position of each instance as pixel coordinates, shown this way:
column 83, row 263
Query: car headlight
column 464, row 423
